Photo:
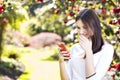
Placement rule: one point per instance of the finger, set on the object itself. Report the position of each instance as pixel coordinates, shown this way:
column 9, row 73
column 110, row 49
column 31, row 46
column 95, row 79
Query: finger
column 82, row 44
column 66, row 55
column 64, row 52
column 84, row 40
column 83, row 37
column 66, row 58
column 60, row 50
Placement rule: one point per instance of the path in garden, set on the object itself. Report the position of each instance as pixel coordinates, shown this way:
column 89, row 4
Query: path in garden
column 41, row 70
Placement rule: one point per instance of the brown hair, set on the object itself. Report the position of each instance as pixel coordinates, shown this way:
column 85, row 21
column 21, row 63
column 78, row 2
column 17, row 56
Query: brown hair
column 92, row 23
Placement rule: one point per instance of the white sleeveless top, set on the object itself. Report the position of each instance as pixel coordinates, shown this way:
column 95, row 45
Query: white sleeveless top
column 102, row 60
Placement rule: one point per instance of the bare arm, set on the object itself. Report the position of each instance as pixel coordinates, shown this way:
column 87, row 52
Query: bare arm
column 104, row 62
column 63, row 72
column 89, row 66
column 87, row 46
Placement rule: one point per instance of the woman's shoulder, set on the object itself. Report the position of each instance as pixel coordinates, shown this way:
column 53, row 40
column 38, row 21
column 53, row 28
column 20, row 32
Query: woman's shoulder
column 107, row 46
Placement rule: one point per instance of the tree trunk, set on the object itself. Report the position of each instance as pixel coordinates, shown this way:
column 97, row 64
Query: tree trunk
column 1, row 38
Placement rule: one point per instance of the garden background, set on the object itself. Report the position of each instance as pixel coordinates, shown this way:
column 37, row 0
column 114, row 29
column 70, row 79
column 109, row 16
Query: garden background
column 30, row 29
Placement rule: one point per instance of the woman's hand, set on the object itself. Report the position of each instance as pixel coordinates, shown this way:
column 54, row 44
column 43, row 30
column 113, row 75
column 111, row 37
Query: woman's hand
column 63, row 55
column 85, row 43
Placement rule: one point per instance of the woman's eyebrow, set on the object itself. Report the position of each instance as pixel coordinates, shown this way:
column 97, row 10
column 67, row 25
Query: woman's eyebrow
column 80, row 26
column 77, row 26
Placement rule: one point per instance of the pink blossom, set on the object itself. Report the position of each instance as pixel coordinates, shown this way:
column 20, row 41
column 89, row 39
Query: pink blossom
column 118, row 22
column 116, row 10
column 117, row 66
column 1, row 8
column 113, row 75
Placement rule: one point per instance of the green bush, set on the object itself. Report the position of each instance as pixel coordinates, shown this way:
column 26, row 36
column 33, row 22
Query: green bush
column 12, row 70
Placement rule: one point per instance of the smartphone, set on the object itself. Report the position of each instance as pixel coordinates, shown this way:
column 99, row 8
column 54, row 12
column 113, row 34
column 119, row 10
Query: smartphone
column 62, row 46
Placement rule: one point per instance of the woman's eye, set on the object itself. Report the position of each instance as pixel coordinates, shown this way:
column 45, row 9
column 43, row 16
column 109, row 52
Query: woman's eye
column 78, row 27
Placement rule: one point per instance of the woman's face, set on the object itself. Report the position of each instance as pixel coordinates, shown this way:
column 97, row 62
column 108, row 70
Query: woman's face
column 82, row 29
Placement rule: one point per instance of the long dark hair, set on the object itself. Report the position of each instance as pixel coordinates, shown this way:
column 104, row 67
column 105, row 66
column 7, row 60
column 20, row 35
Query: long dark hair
column 92, row 22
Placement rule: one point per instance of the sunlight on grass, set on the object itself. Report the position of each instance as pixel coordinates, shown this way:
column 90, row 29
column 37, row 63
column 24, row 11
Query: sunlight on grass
column 36, row 68
column 46, row 71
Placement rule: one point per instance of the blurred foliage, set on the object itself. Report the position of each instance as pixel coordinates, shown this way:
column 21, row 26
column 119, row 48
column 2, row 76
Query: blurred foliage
column 52, row 57
column 14, row 52
column 49, row 23
column 12, row 69
column 12, row 14
column 11, row 52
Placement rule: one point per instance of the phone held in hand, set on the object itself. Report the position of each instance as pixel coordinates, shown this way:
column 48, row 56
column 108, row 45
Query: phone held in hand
column 62, row 46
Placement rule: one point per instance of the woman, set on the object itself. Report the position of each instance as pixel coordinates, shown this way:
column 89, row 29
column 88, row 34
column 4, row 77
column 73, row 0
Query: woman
column 90, row 58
